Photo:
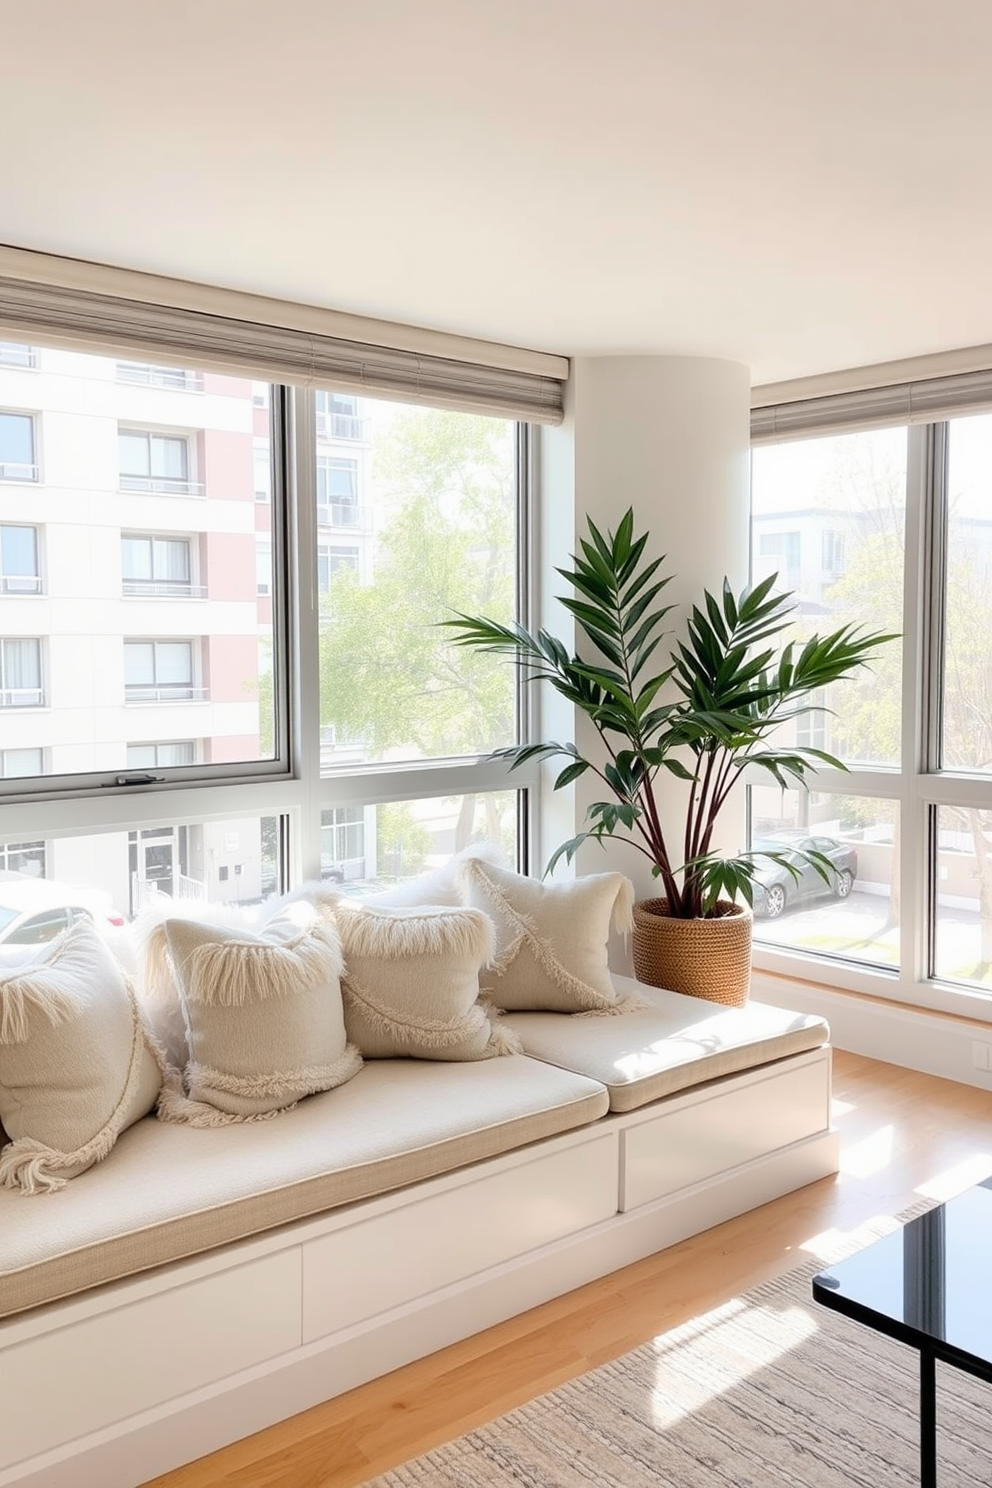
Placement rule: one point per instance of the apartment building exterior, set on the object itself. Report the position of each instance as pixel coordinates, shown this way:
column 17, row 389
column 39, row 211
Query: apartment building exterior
column 136, row 597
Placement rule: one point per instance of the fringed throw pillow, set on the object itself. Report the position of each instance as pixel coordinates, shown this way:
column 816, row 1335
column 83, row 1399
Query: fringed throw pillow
column 411, row 982
column 77, row 1063
column 551, row 939
column 264, row 1017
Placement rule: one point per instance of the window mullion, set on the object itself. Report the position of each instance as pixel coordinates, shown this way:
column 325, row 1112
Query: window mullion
column 926, row 716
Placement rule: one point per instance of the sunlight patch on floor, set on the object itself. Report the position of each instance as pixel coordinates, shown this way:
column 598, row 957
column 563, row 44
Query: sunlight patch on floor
column 870, row 1155
column 710, row 1355
column 955, row 1180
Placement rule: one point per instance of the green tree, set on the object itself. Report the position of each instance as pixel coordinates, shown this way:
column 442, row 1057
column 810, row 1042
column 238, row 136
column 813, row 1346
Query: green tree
column 444, row 512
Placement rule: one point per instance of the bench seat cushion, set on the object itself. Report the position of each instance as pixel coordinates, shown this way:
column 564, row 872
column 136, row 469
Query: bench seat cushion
column 675, row 1043
column 173, row 1191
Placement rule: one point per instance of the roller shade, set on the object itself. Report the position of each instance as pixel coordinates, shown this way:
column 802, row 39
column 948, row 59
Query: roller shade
column 270, row 340
column 922, row 401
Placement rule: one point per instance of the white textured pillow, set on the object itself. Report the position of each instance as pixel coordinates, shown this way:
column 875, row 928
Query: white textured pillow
column 411, row 982
column 77, row 1063
column 551, row 939
column 264, row 1017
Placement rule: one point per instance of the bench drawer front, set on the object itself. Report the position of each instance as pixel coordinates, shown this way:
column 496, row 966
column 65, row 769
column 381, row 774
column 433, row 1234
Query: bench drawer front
column 407, row 1252
column 721, row 1130
column 110, row 1366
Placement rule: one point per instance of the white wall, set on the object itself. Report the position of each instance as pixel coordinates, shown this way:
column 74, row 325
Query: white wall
column 669, row 436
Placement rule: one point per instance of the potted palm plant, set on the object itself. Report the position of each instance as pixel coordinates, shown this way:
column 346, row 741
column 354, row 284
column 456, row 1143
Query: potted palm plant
column 713, row 708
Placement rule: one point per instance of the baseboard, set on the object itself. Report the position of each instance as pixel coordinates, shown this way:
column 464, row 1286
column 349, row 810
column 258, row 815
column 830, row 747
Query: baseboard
column 917, row 1038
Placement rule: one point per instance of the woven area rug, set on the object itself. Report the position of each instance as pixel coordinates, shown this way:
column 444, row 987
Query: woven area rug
column 765, row 1390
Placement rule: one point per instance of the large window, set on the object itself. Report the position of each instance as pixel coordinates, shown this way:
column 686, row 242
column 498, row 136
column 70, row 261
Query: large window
column 305, row 716
column 891, row 530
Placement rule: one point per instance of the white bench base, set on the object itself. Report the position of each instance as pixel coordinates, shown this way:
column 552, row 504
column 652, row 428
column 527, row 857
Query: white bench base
column 113, row 1387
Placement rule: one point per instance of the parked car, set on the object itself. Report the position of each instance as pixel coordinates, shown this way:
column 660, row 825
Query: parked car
column 775, row 887
column 33, row 910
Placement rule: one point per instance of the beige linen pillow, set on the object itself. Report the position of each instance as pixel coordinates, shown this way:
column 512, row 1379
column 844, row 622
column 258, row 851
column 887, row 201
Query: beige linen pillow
column 551, row 939
column 77, row 1062
column 264, row 1017
column 411, row 982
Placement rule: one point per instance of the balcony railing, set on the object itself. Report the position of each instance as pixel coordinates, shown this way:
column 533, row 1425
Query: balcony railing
column 164, row 485
column 13, row 470
column 13, row 354
column 344, row 515
column 145, row 375
column 175, row 692
column 164, row 589
column 22, row 697
column 342, row 426
column 20, row 584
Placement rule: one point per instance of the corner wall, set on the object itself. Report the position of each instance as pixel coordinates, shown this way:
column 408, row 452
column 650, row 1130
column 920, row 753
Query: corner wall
column 670, row 437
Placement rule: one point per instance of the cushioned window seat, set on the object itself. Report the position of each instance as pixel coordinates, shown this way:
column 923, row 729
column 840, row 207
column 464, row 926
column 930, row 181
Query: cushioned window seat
column 673, row 1044
column 167, row 1191
column 200, row 1284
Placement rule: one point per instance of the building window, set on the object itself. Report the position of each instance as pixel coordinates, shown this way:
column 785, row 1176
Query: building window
column 20, row 673
column 19, row 572
column 23, row 857
column 159, row 672
column 157, row 566
column 342, row 842
column 156, row 462
column 16, row 354
column 262, row 459
column 337, row 492
column 332, row 559
column 147, row 374
column 18, row 461
column 338, row 417
column 16, row 763
column 785, row 546
column 161, row 756
column 263, row 567
column 833, row 551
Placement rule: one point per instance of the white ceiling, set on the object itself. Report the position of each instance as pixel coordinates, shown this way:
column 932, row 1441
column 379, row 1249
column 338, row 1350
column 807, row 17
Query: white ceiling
column 800, row 185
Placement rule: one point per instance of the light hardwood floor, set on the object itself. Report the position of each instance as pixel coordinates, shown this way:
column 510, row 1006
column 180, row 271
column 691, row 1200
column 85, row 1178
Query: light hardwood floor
column 903, row 1135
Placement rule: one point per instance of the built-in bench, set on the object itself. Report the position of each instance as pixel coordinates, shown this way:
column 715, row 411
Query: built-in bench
column 201, row 1284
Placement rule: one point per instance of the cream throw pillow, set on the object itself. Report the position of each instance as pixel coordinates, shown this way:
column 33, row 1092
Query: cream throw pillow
column 411, row 982
column 551, row 939
column 77, row 1063
column 264, row 1017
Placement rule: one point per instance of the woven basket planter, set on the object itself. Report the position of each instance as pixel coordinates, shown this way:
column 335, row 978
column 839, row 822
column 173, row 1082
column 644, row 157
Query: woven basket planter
column 708, row 958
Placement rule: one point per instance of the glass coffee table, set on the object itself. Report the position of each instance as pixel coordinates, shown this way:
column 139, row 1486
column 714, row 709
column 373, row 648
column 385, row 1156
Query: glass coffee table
column 927, row 1284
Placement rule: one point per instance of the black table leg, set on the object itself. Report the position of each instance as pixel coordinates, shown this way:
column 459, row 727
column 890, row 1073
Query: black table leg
column 928, row 1420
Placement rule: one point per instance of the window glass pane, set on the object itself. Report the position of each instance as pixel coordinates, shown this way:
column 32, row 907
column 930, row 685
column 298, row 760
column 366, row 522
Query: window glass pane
column 129, row 449
column 19, row 551
column 109, row 876
column 20, row 674
column 16, row 445
column 854, row 913
column 438, row 489
column 20, row 762
column 967, row 712
column 829, row 516
column 368, row 847
column 964, row 896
